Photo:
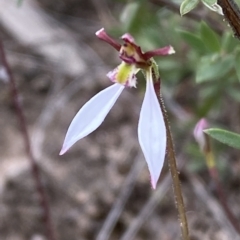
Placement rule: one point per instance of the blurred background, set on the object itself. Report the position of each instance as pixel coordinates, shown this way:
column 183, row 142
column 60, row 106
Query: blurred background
column 100, row 189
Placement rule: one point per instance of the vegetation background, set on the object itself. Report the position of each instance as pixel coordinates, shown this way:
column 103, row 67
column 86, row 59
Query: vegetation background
column 100, row 189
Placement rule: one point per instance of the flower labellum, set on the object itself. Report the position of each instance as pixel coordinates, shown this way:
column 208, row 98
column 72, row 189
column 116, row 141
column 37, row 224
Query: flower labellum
column 151, row 127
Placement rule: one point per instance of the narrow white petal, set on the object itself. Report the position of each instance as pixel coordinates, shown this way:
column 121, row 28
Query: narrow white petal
column 91, row 115
column 152, row 132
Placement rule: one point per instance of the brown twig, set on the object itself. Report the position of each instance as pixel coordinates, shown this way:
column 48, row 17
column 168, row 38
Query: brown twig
column 34, row 167
column 231, row 12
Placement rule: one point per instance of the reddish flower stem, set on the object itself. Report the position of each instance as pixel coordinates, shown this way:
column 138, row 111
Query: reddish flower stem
column 43, row 202
column 175, row 178
column 173, row 165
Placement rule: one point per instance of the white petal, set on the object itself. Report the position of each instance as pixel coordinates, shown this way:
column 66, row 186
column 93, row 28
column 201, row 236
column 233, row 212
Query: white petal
column 91, row 115
column 152, row 132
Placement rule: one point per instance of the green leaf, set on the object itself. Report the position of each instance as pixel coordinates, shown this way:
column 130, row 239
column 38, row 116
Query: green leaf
column 193, row 40
column 213, row 67
column 237, row 64
column 187, row 6
column 210, row 38
column 229, row 138
column 213, row 6
column 209, row 2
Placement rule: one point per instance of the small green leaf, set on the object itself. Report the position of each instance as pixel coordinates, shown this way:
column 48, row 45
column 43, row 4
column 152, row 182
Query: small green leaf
column 187, row 6
column 193, row 40
column 237, row 64
column 209, row 2
column 213, row 67
column 229, row 138
column 210, row 38
column 213, row 6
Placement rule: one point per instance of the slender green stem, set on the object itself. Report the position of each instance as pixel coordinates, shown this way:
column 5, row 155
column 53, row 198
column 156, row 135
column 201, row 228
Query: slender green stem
column 172, row 162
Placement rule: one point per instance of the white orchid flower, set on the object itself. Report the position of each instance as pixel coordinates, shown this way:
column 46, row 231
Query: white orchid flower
column 151, row 127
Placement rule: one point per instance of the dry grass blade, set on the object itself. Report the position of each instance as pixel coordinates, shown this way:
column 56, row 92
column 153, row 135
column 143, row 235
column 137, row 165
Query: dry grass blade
column 122, row 198
column 213, row 206
column 147, row 209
